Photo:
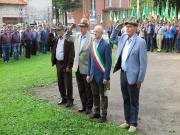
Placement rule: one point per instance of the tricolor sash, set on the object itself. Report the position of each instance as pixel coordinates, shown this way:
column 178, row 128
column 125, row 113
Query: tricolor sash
column 100, row 64
column 97, row 58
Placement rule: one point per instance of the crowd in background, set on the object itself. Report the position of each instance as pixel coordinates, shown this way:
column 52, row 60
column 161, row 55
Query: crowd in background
column 25, row 40
column 164, row 36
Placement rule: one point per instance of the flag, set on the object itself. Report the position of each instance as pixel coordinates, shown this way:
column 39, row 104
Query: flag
column 110, row 15
column 114, row 17
column 102, row 19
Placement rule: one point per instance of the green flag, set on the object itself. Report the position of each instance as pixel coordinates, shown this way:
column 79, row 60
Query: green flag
column 102, row 19
column 110, row 15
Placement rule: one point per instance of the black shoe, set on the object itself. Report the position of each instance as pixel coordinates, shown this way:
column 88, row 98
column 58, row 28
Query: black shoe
column 82, row 110
column 62, row 102
column 88, row 111
column 102, row 119
column 69, row 104
column 93, row 116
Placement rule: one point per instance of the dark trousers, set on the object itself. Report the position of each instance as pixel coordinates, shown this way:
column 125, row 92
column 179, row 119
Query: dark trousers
column 28, row 49
column 130, row 95
column 169, row 44
column 64, row 82
column 6, row 49
column 178, row 44
column 34, row 47
column 150, row 45
column 84, row 91
column 98, row 92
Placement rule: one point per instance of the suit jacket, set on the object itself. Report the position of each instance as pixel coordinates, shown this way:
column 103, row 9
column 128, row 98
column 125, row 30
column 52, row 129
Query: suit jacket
column 105, row 52
column 81, row 56
column 136, row 61
column 68, row 53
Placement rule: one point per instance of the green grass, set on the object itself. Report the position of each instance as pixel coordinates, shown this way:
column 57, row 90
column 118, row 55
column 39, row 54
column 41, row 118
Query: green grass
column 23, row 114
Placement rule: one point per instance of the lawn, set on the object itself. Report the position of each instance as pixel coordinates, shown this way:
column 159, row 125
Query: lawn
column 23, row 114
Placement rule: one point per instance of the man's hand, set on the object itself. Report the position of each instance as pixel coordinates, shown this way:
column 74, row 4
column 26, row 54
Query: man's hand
column 67, row 69
column 105, row 81
column 120, row 26
column 72, row 26
column 138, row 85
column 88, row 79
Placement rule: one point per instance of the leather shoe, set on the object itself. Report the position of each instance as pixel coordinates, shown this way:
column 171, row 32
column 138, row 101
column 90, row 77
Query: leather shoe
column 88, row 111
column 82, row 110
column 69, row 104
column 95, row 115
column 62, row 102
column 102, row 119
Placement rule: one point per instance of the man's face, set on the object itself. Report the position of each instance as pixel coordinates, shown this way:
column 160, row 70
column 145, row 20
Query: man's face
column 97, row 33
column 60, row 32
column 131, row 29
column 83, row 30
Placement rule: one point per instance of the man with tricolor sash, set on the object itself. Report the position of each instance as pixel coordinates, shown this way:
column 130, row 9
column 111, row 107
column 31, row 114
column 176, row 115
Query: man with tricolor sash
column 99, row 67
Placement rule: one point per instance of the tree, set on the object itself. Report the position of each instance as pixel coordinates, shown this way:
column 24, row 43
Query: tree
column 64, row 6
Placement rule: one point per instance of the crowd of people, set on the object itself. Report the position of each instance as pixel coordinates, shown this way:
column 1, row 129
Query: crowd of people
column 160, row 36
column 90, row 57
column 24, row 40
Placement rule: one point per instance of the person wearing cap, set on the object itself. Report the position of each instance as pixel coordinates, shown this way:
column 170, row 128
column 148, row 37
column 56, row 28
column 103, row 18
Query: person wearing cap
column 150, row 34
column 170, row 32
column 132, row 60
column 34, row 37
column 27, row 42
column 5, row 41
column 15, row 41
column 99, row 67
column 82, row 43
column 63, row 57
column 44, row 34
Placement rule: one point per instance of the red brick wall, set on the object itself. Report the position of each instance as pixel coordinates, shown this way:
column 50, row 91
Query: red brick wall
column 99, row 10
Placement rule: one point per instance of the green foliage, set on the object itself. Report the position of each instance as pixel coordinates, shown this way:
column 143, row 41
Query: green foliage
column 23, row 114
column 67, row 5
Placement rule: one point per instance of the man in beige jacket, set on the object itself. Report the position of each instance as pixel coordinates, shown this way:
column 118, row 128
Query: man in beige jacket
column 82, row 43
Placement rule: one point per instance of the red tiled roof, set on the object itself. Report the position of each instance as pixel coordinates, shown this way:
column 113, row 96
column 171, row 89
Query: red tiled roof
column 16, row 2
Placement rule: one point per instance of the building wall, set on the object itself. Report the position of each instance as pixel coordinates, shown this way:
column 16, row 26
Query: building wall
column 100, row 6
column 35, row 10
column 39, row 10
column 11, row 11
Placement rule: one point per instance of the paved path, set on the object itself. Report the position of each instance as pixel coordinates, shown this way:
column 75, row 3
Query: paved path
column 159, row 96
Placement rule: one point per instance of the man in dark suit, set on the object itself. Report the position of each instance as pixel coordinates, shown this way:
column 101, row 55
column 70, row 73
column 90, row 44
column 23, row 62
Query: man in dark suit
column 63, row 57
column 99, row 67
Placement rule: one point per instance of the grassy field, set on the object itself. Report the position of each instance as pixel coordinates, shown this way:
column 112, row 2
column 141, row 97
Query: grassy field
column 23, row 114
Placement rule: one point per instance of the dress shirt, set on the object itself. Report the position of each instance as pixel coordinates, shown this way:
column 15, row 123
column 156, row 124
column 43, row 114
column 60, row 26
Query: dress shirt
column 60, row 49
column 125, row 53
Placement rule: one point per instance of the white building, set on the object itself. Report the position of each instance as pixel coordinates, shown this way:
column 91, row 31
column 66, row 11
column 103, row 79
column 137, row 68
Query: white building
column 22, row 11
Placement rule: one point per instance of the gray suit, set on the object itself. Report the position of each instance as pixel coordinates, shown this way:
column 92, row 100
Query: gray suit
column 81, row 69
column 136, row 64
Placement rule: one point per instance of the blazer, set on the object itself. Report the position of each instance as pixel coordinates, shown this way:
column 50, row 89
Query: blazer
column 81, row 56
column 136, row 62
column 68, row 53
column 105, row 52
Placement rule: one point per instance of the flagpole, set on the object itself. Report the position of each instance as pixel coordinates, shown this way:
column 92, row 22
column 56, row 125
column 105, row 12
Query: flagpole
column 137, row 8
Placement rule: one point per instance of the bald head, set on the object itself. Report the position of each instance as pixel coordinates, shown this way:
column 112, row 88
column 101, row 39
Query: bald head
column 98, row 31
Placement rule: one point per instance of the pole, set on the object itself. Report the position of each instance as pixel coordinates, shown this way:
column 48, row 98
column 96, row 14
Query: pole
column 137, row 8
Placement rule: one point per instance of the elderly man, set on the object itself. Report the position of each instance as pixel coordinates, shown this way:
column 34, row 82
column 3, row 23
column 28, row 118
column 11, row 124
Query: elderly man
column 132, row 60
column 82, row 43
column 6, row 44
column 27, row 41
column 15, row 41
column 99, row 67
column 63, row 58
